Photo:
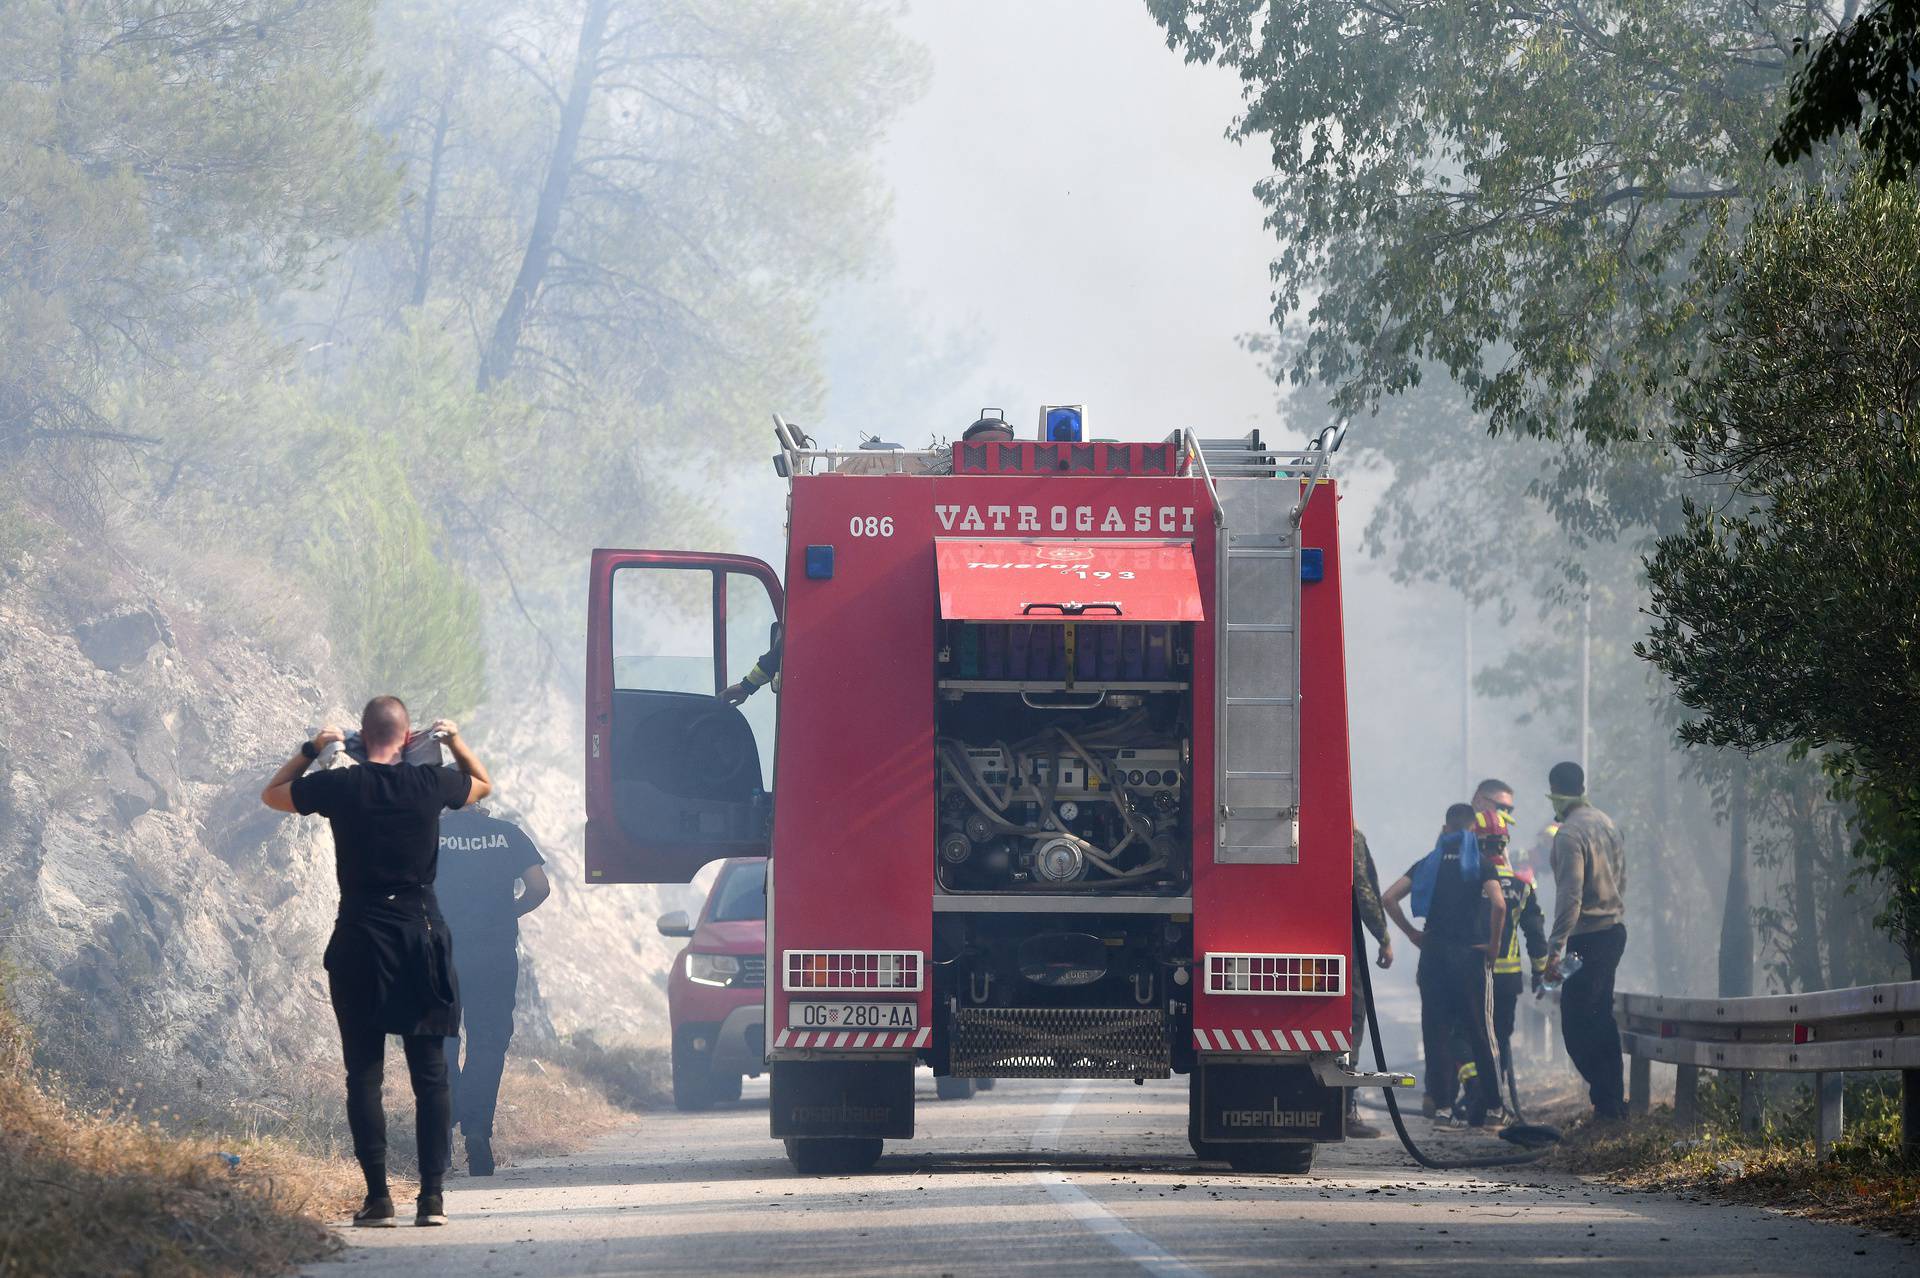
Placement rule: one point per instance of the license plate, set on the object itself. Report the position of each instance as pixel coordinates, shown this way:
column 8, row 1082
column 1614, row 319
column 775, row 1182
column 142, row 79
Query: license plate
column 853, row 1016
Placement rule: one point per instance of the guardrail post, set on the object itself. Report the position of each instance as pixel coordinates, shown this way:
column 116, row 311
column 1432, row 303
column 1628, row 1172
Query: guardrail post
column 1752, row 1103
column 1831, row 1092
column 1639, row 1084
column 1686, row 1095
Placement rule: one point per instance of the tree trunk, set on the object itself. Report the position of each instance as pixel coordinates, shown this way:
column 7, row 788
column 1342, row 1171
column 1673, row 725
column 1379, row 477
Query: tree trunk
column 423, row 261
column 1668, row 967
column 1736, row 924
column 1843, row 911
column 498, row 360
column 1804, row 947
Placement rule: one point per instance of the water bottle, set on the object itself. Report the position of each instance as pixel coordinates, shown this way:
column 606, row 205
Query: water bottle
column 1569, row 964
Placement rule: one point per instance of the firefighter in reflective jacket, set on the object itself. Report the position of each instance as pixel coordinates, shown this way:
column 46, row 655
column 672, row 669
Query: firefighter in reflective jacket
column 1523, row 916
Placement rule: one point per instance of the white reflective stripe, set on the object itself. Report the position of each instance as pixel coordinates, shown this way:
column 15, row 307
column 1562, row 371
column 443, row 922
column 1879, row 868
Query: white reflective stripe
column 1300, row 1040
column 839, row 1042
column 1260, row 1037
column 1320, row 1041
column 920, row 1039
column 1340, row 1040
column 1240, row 1037
column 782, row 1040
column 1206, row 1044
column 860, row 1040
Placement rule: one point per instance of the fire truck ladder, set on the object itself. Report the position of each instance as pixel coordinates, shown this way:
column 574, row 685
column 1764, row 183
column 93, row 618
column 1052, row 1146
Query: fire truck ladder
column 1259, row 502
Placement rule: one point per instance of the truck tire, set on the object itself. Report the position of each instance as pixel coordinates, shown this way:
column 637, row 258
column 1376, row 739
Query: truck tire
column 835, row 1156
column 726, row 1087
column 694, row 1086
column 948, row 1088
column 983, row 1084
column 1291, row 1158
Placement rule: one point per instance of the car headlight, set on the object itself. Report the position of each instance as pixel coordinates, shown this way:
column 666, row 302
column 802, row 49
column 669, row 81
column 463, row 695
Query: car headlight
column 712, row 969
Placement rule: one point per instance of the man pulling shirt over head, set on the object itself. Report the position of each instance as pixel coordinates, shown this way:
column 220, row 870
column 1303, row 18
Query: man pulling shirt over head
column 389, row 963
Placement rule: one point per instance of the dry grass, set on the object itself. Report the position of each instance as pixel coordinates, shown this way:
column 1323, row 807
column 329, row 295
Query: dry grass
column 105, row 1193
column 1864, row 1183
column 136, row 1183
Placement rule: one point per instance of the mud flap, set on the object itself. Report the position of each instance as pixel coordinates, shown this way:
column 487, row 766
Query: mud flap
column 1235, row 1103
column 822, row 1099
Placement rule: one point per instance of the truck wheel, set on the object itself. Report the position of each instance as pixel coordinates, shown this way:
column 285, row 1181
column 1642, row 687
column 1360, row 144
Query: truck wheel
column 693, row 1081
column 1292, row 1158
column 947, row 1088
column 726, row 1087
column 983, row 1084
column 835, row 1156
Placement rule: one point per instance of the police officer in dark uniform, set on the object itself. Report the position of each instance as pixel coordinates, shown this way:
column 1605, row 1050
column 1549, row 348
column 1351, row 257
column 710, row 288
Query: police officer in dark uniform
column 389, row 963
column 484, row 862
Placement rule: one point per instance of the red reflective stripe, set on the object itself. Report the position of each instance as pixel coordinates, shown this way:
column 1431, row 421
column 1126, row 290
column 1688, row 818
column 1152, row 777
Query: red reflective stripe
column 1020, row 579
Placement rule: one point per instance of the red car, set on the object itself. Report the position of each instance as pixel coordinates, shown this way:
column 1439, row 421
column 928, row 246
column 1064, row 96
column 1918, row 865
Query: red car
column 716, row 992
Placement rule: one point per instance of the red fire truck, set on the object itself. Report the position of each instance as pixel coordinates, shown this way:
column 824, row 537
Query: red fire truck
column 1061, row 780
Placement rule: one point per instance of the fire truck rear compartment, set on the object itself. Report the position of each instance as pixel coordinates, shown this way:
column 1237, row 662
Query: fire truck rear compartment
column 1050, row 783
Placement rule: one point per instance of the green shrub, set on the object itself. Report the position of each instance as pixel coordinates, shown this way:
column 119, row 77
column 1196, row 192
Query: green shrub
column 403, row 617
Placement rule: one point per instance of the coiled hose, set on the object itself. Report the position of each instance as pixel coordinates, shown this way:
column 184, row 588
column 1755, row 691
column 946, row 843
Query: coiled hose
column 1393, row 1102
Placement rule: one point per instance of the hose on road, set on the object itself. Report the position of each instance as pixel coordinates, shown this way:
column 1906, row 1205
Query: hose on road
column 1393, row 1102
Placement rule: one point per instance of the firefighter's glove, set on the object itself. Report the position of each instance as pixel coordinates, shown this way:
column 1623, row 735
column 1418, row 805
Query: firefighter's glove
column 737, row 693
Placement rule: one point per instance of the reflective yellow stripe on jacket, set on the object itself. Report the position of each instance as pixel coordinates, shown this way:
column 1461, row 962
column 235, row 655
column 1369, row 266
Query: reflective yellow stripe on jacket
column 1509, row 960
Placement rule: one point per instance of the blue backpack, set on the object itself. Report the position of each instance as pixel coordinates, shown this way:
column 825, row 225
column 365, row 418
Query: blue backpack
column 1427, row 873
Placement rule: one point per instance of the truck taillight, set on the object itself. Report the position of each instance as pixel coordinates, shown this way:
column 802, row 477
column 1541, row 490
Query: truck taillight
column 1276, row 974
column 853, row 971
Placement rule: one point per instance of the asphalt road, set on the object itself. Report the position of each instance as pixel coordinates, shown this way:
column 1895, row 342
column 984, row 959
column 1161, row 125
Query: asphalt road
column 1064, row 1178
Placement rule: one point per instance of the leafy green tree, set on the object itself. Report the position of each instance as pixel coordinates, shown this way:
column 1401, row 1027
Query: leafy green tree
column 1512, row 193
column 1511, row 199
column 164, row 163
column 1873, row 61
column 1785, row 613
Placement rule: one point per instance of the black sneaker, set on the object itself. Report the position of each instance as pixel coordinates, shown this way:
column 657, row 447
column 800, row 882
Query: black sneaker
column 432, row 1210
column 375, row 1213
column 479, row 1156
column 1360, row 1129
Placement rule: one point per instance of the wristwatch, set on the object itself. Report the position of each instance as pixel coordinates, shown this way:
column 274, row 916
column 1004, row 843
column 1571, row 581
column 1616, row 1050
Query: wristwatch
column 306, row 748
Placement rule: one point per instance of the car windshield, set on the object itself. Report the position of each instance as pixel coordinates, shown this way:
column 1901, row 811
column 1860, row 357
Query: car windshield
column 741, row 894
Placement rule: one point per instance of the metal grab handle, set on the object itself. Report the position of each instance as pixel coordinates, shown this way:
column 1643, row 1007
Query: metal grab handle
column 1099, row 699
column 1070, row 608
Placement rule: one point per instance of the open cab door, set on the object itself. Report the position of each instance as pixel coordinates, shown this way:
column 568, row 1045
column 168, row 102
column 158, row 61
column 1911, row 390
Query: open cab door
column 676, row 777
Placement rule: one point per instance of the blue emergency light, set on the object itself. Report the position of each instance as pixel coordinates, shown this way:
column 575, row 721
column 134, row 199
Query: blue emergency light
column 1061, row 423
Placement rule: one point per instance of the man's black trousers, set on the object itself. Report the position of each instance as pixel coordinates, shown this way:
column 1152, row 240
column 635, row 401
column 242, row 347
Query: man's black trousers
column 489, row 979
column 1586, row 1018
column 1456, row 987
column 1507, row 987
column 365, row 1051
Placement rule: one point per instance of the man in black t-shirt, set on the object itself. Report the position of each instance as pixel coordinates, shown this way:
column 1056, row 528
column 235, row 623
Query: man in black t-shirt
column 482, row 861
column 390, row 960
column 1457, row 891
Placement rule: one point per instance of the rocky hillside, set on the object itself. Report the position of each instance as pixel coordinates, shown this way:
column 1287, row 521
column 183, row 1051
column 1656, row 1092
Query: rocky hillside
column 156, row 922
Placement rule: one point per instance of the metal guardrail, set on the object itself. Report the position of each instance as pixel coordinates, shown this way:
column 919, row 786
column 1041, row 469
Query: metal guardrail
column 1826, row 1033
